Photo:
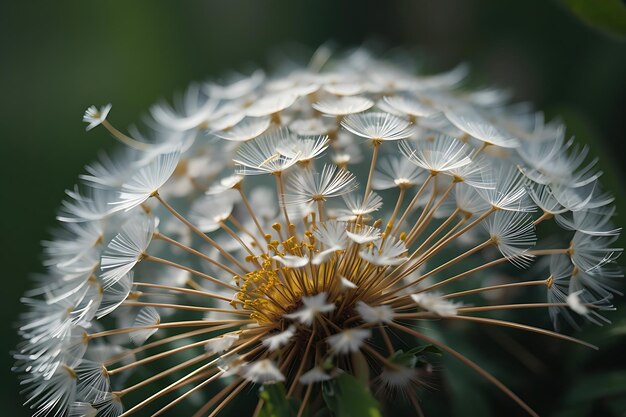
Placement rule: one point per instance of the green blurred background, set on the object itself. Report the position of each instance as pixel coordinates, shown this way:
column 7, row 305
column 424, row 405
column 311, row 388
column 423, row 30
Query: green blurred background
column 60, row 57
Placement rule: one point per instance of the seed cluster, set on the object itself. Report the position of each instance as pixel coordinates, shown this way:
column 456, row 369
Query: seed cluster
column 291, row 228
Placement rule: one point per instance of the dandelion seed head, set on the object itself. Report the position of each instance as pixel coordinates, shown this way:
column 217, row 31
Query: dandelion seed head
column 265, row 229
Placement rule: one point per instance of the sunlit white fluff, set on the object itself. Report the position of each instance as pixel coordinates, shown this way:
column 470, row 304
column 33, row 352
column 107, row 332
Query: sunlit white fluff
column 147, row 317
column 278, row 340
column 262, row 372
column 221, row 343
column 313, row 306
column 127, row 248
column 396, row 172
column 435, row 303
column 210, row 212
column 440, row 155
column 349, row 340
column 476, row 125
column 378, row 314
column 378, row 126
column 262, row 156
column 343, row 105
column 245, row 130
column 310, row 186
column 147, row 180
column 406, row 105
column 94, row 116
column 385, row 252
column 365, row 234
column 314, row 375
column 514, row 234
column 510, row 192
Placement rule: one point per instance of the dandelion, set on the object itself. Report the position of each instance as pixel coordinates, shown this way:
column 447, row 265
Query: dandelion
column 298, row 229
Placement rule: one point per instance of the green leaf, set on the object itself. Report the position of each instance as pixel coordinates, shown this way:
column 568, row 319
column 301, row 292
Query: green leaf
column 276, row 403
column 347, row 396
column 413, row 356
column 606, row 15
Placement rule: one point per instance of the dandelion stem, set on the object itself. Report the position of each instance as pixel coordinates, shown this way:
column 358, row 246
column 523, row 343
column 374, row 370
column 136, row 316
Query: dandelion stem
column 425, row 211
column 258, row 408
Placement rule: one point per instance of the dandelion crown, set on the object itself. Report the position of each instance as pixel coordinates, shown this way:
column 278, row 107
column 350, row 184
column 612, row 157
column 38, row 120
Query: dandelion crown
column 298, row 229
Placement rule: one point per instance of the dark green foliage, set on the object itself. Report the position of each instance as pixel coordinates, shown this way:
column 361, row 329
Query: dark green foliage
column 276, row 404
column 606, row 15
column 347, row 396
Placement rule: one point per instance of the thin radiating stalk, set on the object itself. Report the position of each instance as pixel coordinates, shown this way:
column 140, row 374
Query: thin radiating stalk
column 186, row 307
column 497, row 287
column 183, row 290
column 523, row 327
column 188, row 323
column 471, row 364
column 420, row 225
column 190, row 270
column 192, row 251
column 370, row 175
column 408, row 208
column 280, row 187
column 125, row 139
column 187, row 394
column 246, row 203
column 203, row 368
column 199, row 232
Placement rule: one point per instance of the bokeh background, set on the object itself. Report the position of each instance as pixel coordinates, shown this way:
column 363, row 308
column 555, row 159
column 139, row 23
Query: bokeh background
column 59, row 57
